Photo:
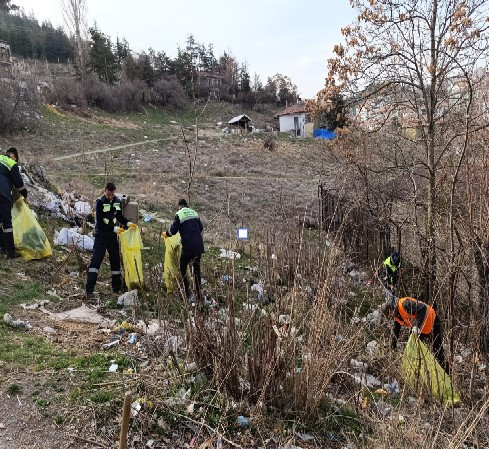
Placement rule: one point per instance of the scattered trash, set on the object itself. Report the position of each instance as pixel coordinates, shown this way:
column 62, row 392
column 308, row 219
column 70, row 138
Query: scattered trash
column 192, row 366
column 82, row 314
column 135, row 408
column 113, row 368
column 381, row 392
column 274, row 257
column 383, row 408
column 335, row 437
column 356, row 364
column 228, row 254
column 284, row 319
column 82, row 208
column 70, row 237
column 148, row 218
column 150, row 443
column 242, row 421
column 124, row 327
column 392, row 387
column 258, row 288
column 305, row 436
column 35, row 305
column 132, row 338
column 114, row 342
column 152, row 328
column 74, row 274
column 226, row 278
column 2, row 426
column 367, row 380
column 16, row 323
column 128, row 299
column 372, row 347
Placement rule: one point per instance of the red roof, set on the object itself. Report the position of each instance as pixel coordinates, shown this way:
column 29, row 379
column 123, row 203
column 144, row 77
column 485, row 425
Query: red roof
column 297, row 108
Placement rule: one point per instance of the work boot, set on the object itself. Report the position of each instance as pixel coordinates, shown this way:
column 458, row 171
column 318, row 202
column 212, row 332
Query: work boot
column 90, row 296
column 3, row 249
column 8, row 238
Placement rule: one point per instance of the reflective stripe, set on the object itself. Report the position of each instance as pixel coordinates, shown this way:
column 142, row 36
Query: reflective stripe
column 186, row 213
column 106, row 220
column 388, row 263
column 113, row 273
column 8, row 230
column 117, row 206
column 106, row 207
column 93, row 270
column 7, row 162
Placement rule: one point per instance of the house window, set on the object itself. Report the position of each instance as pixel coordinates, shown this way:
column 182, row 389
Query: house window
column 308, row 118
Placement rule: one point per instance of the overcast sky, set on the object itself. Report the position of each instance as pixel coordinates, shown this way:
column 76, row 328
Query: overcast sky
column 293, row 37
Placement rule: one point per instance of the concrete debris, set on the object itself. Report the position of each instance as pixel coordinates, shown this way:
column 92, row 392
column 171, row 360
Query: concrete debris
column 71, row 237
column 128, row 299
column 228, row 254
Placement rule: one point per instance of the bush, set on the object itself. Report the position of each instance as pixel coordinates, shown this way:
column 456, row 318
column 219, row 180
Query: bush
column 129, row 95
column 19, row 105
column 67, row 92
column 169, row 92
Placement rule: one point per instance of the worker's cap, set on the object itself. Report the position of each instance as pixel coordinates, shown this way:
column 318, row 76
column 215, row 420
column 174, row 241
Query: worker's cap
column 395, row 257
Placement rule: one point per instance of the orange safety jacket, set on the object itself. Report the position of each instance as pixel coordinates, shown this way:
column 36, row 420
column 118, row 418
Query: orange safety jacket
column 408, row 319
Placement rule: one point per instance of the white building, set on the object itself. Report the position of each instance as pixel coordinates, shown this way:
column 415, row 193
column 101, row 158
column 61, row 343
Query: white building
column 296, row 119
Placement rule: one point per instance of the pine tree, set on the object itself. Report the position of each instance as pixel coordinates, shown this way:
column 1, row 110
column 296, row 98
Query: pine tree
column 103, row 61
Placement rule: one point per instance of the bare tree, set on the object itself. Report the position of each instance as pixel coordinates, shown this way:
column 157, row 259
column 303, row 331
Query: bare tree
column 408, row 65
column 75, row 15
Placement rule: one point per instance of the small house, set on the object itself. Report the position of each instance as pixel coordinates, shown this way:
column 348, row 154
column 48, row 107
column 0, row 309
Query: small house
column 240, row 124
column 296, row 119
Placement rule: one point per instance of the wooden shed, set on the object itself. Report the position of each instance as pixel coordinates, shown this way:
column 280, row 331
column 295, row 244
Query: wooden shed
column 240, row 124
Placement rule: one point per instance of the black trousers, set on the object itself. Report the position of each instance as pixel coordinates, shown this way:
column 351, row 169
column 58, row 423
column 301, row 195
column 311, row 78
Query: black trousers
column 7, row 232
column 436, row 338
column 103, row 243
column 185, row 260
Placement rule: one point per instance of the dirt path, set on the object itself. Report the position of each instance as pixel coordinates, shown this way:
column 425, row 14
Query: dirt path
column 105, row 150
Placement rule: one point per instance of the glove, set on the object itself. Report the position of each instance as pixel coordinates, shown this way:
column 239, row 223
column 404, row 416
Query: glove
column 131, row 225
column 416, row 330
column 117, row 230
column 164, row 235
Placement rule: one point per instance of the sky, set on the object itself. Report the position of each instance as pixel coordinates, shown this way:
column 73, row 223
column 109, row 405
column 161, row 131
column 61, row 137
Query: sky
column 292, row 37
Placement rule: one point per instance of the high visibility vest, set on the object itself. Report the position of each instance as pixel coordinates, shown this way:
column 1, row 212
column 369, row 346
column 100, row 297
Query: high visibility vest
column 407, row 319
column 186, row 213
column 7, row 162
column 388, row 263
column 110, row 210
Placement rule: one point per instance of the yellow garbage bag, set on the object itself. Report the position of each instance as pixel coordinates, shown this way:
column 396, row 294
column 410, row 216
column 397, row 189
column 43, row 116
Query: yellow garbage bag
column 423, row 372
column 173, row 249
column 131, row 245
column 29, row 238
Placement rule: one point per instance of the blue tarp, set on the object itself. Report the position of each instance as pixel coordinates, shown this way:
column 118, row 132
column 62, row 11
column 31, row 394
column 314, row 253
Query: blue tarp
column 325, row 134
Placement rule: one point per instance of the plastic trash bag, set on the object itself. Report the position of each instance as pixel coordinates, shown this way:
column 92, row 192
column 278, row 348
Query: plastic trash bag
column 131, row 245
column 424, row 373
column 29, row 238
column 70, row 237
column 173, row 249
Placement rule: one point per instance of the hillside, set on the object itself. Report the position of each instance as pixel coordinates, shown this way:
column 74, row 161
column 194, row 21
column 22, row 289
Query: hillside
column 306, row 363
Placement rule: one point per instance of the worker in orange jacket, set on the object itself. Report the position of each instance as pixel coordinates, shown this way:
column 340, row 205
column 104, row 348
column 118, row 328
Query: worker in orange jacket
column 421, row 318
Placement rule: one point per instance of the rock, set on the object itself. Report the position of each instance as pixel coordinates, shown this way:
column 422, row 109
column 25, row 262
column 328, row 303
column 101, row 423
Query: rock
column 48, row 330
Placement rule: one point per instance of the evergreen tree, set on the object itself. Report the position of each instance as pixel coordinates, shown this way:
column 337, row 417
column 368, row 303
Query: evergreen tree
column 6, row 6
column 146, row 70
column 103, row 61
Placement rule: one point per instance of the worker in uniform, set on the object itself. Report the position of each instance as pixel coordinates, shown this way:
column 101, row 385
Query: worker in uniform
column 421, row 318
column 391, row 268
column 188, row 223
column 108, row 216
column 10, row 177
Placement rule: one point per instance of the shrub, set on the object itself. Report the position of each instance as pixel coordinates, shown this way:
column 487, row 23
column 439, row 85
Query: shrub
column 67, row 92
column 170, row 93
column 19, row 105
column 99, row 94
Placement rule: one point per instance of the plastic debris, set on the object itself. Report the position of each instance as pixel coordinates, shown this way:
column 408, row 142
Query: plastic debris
column 16, row 323
column 367, row 380
column 124, row 327
column 258, row 288
column 135, row 408
column 70, row 237
column 113, row 368
column 228, row 254
column 132, row 338
column 114, row 342
column 242, row 421
column 128, row 299
column 392, row 387
column 372, row 347
column 226, row 278
column 356, row 364
column 82, row 208
column 284, row 319
column 150, row 443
